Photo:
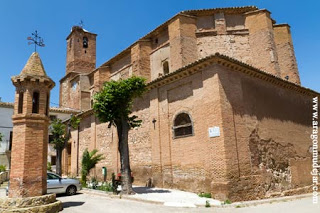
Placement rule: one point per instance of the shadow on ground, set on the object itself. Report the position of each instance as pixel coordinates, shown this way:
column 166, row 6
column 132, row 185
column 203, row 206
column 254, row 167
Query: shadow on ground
column 65, row 195
column 144, row 190
column 71, row 204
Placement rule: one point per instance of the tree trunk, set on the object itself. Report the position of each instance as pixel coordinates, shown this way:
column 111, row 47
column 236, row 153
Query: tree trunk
column 123, row 131
column 58, row 161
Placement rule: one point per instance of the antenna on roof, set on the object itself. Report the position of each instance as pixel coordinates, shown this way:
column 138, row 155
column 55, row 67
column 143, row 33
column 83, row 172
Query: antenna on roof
column 36, row 40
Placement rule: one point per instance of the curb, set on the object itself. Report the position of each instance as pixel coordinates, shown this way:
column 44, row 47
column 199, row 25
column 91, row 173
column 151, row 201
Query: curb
column 263, row 201
column 233, row 205
column 111, row 195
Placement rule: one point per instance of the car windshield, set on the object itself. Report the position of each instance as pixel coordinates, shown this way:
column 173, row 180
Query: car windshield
column 51, row 176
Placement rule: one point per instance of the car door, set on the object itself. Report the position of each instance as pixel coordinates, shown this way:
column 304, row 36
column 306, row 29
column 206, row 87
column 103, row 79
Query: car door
column 54, row 184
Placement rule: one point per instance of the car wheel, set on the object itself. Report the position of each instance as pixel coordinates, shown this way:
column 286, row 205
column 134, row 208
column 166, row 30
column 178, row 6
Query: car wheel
column 71, row 190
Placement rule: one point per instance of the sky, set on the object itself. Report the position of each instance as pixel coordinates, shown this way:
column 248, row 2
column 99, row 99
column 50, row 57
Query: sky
column 120, row 23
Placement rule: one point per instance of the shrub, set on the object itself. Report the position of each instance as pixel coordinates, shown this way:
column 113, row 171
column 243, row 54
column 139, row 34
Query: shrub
column 49, row 166
column 105, row 187
column 2, row 168
column 206, row 195
column 89, row 161
column 94, row 183
column 227, row 202
column 207, row 204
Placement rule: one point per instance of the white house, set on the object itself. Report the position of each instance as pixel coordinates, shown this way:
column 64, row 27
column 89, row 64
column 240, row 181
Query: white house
column 6, row 112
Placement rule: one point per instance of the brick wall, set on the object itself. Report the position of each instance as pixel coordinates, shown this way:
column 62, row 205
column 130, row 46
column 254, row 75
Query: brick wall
column 30, row 144
column 287, row 59
column 267, row 127
column 80, row 59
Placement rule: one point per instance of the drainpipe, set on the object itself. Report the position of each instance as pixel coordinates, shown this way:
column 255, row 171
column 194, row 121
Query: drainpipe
column 78, row 151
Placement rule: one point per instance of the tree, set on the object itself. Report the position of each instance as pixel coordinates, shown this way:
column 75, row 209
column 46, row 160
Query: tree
column 61, row 136
column 89, row 161
column 113, row 104
column 1, row 135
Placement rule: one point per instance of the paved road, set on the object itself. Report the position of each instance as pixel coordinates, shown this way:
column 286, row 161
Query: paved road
column 85, row 203
column 98, row 204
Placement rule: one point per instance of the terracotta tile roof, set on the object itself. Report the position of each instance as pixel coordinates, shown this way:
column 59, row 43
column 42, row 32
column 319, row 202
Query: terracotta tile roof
column 52, row 109
column 227, row 10
column 6, row 104
column 234, row 65
column 34, row 66
column 64, row 110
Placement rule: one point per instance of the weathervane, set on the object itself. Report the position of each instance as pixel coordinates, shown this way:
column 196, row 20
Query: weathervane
column 36, row 40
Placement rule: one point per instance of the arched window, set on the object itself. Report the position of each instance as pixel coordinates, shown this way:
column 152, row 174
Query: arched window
column 85, row 42
column 20, row 103
column 182, row 126
column 165, row 67
column 35, row 102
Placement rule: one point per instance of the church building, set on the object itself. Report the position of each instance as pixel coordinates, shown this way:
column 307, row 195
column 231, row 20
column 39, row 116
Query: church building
column 224, row 113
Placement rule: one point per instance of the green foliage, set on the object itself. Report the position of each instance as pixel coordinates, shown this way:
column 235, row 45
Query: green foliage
column 207, row 204
column 59, row 133
column 107, row 187
column 1, row 136
column 227, row 202
column 115, row 100
column 74, row 121
column 89, row 161
column 2, row 168
column 203, row 194
column 94, row 182
column 49, row 167
column 238, row 206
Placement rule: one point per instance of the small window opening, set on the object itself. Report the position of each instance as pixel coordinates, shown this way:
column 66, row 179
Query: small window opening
column 10, row 141
column 156, row 41
column 182, row 126
column 85, row 42
column 20, row 103
column 165, row 67
column 48, row 106
column 70, row 43
column 35, row 102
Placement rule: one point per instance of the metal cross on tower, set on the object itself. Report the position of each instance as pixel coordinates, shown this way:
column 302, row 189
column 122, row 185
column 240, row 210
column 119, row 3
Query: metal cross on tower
column 36, row 40
column 81, row 24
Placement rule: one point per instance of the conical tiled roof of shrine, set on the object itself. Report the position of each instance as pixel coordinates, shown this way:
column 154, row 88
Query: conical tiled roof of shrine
column 34, row 66
column 33, row 71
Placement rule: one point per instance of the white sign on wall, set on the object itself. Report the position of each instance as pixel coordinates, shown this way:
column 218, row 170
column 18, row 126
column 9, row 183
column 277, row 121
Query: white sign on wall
column 214, row 131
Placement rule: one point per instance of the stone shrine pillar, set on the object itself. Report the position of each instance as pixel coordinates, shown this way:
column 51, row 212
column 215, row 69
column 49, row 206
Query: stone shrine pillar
column 28, row 175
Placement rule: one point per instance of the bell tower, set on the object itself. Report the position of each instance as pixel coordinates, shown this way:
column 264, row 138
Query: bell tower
column 28, row 175
column 81, row 51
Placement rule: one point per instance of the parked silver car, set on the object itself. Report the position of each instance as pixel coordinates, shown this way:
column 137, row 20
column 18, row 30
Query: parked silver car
column 56, row 184
column 59, row 185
